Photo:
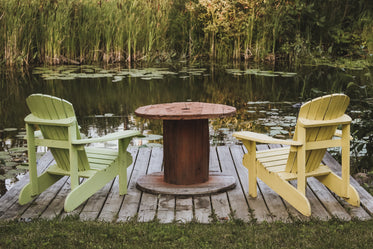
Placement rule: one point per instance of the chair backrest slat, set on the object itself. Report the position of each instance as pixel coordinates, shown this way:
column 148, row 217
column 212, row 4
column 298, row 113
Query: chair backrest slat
column 52, row 108
column 322, row 108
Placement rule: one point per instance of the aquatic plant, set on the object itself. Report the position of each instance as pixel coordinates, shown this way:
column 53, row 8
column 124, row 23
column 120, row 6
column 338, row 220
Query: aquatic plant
column 85, row 31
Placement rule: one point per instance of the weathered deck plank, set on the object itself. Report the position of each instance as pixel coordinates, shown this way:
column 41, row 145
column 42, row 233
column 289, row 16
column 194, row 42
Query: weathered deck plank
column 257, row 205
column 166, row 209
column 107, row 205
column 202, row 209
column 9, row 207
column 219, row 202
column 43, row 200
column 94, row 204
column 131, row 201
column 148, row 205
column 55, row 208
column 184, row 209
column 114, row 201
column 236, row 196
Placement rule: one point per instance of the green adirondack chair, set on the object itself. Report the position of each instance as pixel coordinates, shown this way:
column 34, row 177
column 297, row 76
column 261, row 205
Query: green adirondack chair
column 316, row 126
column 60, row 132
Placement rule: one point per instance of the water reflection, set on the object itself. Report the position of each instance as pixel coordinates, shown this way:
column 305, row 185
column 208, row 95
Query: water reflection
column 106, row 104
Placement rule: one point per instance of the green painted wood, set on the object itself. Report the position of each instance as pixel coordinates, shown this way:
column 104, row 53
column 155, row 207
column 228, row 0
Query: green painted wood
column 56, row 119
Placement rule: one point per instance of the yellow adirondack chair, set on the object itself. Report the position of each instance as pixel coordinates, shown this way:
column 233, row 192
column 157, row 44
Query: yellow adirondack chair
column 58, row 125
column 316, row 126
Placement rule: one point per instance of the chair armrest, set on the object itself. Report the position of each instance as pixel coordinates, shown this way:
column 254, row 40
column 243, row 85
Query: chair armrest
column 109, row 137
column 54, row 122
column 307, row 123
column 261, row 138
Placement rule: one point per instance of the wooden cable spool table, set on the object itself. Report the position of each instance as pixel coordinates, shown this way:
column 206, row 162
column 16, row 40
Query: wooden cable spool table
column 186, row 149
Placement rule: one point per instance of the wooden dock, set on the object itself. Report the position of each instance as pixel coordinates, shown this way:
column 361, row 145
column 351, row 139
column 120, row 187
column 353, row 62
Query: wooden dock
column 107, row 205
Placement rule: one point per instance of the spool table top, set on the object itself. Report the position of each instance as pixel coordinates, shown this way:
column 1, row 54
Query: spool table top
column 185, row 111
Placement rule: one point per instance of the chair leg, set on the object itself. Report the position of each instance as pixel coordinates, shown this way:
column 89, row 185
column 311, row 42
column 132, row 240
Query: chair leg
column 90, row 186
column 44, row 181
column 283, row 188
column 249, row 161
column 124, row 161
column 337, row 185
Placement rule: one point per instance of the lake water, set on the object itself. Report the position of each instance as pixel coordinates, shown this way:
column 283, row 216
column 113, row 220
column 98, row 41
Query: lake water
column 105, row 99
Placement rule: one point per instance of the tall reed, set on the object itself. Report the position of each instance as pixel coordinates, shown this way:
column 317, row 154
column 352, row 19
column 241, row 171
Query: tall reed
column 86, row 31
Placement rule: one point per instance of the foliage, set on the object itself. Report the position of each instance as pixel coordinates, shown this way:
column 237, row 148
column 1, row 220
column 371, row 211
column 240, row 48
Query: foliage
column 362, row 145
column 85, row 31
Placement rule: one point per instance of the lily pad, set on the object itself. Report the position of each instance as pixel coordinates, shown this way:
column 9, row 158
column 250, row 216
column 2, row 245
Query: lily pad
column 11, row 173
column 152, row 145
column 117, row 78
column 251, row 71
column 22, row 167
column 10, row 164
column 270, row 124
column 266, row 74
column 234, row 70
column 274, row 132
column 18, row 149
column 258, row 102
column 5, row 157
column 10, row 129
column 288, row 74
column 152, row 137
column 67, row 78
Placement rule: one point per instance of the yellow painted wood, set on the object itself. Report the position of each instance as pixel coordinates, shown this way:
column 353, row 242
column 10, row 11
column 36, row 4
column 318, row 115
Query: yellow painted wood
column 287, row 176
column 292, row 195
column 308, row 123
column 336, row 184
column 345, row 160
column 301, row 162
column 314, row 132
column 323, row 144
column 60, row 132
column 261, row 138
column 249, row 162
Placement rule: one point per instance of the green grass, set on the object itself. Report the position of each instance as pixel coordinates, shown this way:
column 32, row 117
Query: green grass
column 72, row 233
